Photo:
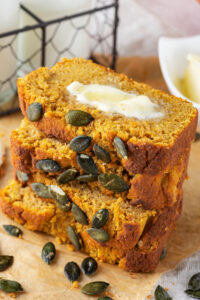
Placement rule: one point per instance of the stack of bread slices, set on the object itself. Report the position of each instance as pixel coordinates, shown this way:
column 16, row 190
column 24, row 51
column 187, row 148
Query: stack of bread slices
column 106, row 184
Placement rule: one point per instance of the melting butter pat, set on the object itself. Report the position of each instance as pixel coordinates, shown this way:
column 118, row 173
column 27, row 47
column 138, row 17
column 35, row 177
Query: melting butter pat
column 113, row 100
column 191, row 80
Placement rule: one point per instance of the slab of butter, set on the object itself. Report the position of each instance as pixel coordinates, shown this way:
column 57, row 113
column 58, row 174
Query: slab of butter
column 2, row 152
column 191, row 80
column 113, row 100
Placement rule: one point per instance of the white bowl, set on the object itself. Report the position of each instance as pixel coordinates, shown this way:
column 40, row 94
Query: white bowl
column 172, row 56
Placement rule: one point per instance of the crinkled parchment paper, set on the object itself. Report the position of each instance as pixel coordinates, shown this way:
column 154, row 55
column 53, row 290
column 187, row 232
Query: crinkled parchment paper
column 41, row 281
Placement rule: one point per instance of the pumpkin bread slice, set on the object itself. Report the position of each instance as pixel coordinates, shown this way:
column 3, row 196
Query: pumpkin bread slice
column 29, row 145
column 152, row 144
column 137, row 236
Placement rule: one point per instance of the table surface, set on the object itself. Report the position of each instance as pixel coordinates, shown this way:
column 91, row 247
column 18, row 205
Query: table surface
column 41, row 281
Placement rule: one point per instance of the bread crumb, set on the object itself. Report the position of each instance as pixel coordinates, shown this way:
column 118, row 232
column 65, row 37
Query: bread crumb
column 58, row 240
column 70, row 247
column 149, row 296
column 75, row 284
column 140, row 243
column 109, row 294
column 132, row 275
column 12, row 295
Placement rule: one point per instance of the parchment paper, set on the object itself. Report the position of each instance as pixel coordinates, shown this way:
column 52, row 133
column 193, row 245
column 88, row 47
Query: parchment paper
column 41, row 281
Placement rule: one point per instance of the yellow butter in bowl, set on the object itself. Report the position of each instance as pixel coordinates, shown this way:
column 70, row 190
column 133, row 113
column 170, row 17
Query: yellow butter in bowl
column 191, row 80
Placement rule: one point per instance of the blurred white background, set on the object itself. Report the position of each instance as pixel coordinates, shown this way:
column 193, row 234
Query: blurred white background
column 142, row 22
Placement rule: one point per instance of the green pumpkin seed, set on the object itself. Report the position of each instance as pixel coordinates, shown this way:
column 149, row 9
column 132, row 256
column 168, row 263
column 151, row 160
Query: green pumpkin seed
column 67, row 176
column 10, row 286
column 193, row 294
column 113, row 182
column 120, row 147
column 72, row 271
column 48, row 165
column 58, row 194
column 5, row 262
column 163, row 254
column 98, row 235
column 78, row 118
column 74, row 238
column 79, row 215
column 95, row 288
column 161, row 294
column 197, row 137
column 80, row 143
column 194, row 282
column 105, row 298
column 48, row 252
column 100, row 218
column 34, row 112
column 101, row 153
column 12, row 230
column 64, row 207
column 41, row 190
column 87, row 164
column 89, row 266
column 87, row 178
column 21, row 176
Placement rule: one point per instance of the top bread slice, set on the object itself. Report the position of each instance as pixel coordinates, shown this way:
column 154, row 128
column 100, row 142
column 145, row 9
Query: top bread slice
column 152, row 144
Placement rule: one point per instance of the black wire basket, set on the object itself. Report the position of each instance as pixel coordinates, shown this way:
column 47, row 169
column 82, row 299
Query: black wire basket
column 99, row 25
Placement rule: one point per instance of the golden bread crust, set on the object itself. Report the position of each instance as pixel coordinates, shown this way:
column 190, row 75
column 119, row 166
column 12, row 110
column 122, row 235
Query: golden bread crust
column 145, row 260
column 2, row 166
column 161, row 190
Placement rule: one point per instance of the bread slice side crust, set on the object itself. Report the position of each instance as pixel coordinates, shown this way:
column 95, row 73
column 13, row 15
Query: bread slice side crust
column 2, row 166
